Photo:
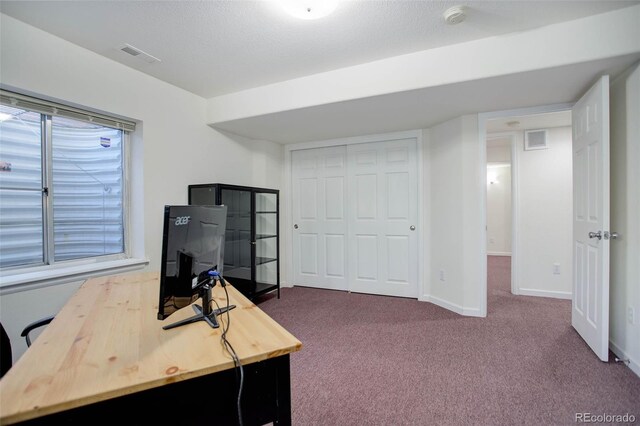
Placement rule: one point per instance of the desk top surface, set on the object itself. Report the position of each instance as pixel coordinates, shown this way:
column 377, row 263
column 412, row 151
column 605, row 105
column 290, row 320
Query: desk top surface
column 106, row 342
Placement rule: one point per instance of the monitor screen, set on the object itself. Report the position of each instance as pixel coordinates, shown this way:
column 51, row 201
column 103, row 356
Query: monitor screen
column 192, row 245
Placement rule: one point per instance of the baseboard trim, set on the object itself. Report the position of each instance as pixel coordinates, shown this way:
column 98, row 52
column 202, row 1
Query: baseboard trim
column 544, row 293
column 468, row 312
column 634, row 365
column 498, row 253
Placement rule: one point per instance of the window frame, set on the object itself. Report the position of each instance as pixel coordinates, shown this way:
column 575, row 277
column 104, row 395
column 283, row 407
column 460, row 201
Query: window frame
column 49, row 267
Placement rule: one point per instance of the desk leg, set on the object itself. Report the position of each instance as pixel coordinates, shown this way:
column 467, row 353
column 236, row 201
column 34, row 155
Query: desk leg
column 283, row 389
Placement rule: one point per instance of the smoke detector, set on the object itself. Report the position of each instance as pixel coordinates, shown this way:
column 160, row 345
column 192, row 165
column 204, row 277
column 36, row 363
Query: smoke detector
column 455, row 15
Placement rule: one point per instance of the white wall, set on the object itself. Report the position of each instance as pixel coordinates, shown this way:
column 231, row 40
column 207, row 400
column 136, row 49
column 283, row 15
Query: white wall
column 498, row 209
column 456, row 182
column 498, row 149
column 499, row 196
column 171, row 148
column 544, row 211
column 625, row 217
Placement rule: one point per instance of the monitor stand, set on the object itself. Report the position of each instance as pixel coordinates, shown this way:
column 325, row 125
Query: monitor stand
column 204, row 312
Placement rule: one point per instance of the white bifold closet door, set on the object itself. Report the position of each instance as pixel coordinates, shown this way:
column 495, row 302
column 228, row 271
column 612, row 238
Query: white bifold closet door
column 319, row 214
column 383, row 215
column 355, row 213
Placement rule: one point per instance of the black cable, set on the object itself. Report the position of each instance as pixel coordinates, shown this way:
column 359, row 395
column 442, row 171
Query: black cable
column 236, row 371
column 235, row 357
column 232, row 352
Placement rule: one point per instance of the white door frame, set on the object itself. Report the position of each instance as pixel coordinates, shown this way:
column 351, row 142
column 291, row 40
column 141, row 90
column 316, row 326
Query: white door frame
column 482, row 138
column 423, row 220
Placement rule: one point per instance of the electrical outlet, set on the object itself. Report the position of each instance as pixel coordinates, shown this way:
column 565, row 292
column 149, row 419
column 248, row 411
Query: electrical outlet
column 441, row 274
column 556, row 269
column 631, row 315
column 492, row 240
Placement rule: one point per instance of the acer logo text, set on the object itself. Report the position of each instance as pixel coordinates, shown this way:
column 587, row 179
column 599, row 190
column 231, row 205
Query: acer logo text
column 182, row 220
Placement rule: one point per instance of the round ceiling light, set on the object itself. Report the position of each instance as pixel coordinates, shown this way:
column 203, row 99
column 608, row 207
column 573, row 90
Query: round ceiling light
column 309, row 9
column 455, row 15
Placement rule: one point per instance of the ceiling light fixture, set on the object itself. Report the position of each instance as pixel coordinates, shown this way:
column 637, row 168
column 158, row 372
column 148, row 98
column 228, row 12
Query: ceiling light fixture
column 309, row 9
column 455, row 15
column 5, row 116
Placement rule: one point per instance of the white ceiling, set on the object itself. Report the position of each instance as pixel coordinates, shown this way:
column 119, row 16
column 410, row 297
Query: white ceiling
column 530, row 122
column 218, row 47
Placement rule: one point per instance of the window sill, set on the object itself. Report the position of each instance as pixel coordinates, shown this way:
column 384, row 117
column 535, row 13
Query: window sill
column 45, row 278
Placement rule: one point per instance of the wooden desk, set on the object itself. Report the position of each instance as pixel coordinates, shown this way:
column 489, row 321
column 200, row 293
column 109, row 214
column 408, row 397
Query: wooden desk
column 106, row 346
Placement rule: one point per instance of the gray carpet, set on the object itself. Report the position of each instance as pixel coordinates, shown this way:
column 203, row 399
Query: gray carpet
column 374, row 360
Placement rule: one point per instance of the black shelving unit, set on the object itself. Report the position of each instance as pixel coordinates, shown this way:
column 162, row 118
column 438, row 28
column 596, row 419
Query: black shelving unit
column 251, row 254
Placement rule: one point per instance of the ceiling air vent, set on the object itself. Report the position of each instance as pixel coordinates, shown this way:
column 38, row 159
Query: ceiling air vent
column 134, row 51
column 535, row 139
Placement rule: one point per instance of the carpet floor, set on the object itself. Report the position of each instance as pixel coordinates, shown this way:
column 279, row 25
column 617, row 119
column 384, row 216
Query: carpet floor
column 375, row 360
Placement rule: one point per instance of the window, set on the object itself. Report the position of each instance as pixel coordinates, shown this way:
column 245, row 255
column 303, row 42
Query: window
column 62, row 183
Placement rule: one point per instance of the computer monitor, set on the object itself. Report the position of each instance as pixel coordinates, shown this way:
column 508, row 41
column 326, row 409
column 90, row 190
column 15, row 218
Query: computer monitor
column 192, row 258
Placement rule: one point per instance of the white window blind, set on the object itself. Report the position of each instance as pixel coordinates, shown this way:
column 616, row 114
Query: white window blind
column 42, row 106
column 62, row 186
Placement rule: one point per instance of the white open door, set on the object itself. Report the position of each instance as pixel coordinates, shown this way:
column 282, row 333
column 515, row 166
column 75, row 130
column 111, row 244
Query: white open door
column 590, row 304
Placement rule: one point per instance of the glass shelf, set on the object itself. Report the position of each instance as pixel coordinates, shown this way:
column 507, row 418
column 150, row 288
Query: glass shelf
column 263, row 236
column 262, row 288
column 263, row 260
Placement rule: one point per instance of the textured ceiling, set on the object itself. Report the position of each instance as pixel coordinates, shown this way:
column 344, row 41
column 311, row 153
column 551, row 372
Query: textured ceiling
column 218, row 47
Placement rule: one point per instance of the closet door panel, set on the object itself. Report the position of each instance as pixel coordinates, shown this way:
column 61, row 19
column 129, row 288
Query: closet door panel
column 383, row 214
column 319, row 217
column 355, row 214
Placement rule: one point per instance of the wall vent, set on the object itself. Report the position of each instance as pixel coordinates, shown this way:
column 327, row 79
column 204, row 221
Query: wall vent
column 535, row 139
column 134, row 51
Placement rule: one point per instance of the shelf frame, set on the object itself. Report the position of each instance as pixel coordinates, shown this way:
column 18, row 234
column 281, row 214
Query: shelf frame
column 252, row 288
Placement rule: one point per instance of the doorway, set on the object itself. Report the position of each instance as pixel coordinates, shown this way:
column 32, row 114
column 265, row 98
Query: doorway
column 530, row 204
column 499, row 212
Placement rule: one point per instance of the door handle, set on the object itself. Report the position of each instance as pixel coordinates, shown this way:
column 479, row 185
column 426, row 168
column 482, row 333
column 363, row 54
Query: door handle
column 295, row 226
column 413, row 228
column 597, row 235
column 610, row 235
